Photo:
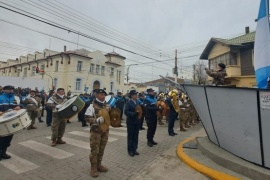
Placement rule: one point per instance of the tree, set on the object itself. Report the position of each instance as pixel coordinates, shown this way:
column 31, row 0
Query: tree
column 199, row 74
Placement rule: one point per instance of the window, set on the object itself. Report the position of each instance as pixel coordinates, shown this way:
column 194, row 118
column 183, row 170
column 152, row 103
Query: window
column 227, row 59
column 33, row 72
column 78, row 84
column 112, row 72
column 92, row 68
column 18, row 72
column 111, row 87
column 55, row 83
column 56, row 66
column 102, row 70
column 79, row 66
column 24, row 72
column 119, row 77
column 97, row 69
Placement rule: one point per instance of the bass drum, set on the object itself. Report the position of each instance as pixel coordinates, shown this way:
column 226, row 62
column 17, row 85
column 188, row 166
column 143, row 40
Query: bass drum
column 71, row 107
column 110, row 100
column 13, row 122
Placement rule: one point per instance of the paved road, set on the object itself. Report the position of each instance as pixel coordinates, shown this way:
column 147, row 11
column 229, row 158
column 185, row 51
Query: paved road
column 33, row 158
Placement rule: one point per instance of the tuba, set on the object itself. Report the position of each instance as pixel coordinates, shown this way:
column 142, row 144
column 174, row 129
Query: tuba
column 173, row 94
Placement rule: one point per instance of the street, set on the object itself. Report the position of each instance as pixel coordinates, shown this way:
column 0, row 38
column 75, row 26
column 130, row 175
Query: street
column 34, row 158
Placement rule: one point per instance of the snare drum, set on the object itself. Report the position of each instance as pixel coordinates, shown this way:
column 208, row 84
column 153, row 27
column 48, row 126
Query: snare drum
column 71, row 107
column 110, row 100
column 14, row 121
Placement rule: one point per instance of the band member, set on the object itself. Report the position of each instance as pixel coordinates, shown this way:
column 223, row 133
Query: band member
column 218, row 75
column 7, row 102
column 58, row 123
column 33, row 106
column 120, row 103
column 98, row 138
column 140, row 102
column 151, row 116
column 172, row 114
column 133, row 124
column 49, row 110
column 86, row 100
column 161, row 97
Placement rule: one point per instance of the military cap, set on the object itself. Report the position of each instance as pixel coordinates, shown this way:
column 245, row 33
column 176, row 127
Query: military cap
column 33, row 91
column 8, row 87
column 59, row 89
column 99, row 91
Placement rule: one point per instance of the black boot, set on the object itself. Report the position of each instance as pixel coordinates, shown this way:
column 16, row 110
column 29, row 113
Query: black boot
column 4, row 154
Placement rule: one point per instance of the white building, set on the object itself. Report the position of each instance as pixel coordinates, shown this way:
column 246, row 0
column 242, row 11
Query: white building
column 79, row 71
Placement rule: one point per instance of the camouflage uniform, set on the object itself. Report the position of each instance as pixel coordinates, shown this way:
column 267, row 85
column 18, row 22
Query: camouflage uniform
column 159, row 118
column 33, row 105
column 184, row 115
column 218, row 76
column 58, row 122
column 192, row 113
column 98, row 138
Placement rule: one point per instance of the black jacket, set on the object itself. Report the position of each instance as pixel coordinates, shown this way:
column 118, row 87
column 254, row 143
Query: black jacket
column 132, row 116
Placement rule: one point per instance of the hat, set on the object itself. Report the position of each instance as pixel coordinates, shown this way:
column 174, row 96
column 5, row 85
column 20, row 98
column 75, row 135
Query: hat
column 119, row 93
column 33, row 91
column 132, row 92
column 99, row 91
column 222, row 65
column 141, row 95
column 9, row 87
column 150, row 90
column 59, row 89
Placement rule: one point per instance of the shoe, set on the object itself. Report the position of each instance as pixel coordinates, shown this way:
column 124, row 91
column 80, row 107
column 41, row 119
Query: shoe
column 136, row 153
column 120, row 125
column 53, row 143
column 154, row 142
column 102, row 168
column 5, row 156
column 171, row 134
column 60, row 141
column 149, row 144
column 93, row 171
column 131, row 154
column 68, row 121
column 84, row 125
column 183, row 129
column 174, row 133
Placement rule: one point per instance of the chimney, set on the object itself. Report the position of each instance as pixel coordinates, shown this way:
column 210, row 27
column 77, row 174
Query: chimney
column 247, row 29
column 65, row 48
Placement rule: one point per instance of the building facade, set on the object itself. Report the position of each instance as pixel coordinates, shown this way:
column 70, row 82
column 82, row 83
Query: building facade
column 238, row 56
column 78, row 71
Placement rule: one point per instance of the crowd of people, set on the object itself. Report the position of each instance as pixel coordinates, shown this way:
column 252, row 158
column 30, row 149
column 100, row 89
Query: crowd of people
column 36, row 102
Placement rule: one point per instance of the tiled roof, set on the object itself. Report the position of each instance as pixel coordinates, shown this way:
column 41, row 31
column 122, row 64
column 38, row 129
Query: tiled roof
column 246, row 38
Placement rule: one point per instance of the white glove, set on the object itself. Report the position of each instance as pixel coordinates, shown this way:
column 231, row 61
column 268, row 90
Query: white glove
column 100, row 120
column 58, row 106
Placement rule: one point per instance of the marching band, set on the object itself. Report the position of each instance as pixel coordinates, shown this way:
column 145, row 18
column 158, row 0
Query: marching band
column 101, row 112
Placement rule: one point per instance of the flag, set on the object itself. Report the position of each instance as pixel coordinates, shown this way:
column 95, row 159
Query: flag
column 262, row 46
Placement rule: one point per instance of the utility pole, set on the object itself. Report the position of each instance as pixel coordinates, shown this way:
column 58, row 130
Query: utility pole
column 128, row 71
column 175, row 67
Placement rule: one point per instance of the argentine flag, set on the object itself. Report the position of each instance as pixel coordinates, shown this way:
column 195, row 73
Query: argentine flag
column 262, row 46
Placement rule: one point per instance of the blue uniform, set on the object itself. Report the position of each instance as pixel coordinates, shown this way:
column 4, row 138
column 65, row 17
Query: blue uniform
column 172, row 116
column 133, row 125
column 7, row 101
column 151, row 116
column 120, row 103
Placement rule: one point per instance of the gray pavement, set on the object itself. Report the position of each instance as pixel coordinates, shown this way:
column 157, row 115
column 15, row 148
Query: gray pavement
column 33, row 158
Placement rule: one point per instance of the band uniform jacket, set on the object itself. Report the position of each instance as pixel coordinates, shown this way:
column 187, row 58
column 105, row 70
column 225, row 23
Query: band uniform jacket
column 132, row 116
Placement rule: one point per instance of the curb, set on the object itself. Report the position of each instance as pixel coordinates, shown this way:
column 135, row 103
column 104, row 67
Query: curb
column 211, row 173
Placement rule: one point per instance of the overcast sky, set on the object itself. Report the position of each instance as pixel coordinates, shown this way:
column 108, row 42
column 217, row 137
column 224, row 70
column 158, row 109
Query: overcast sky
column 152, row 28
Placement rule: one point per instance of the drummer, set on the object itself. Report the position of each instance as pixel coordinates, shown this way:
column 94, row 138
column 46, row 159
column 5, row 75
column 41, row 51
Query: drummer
column 58, row 123
column 98, row 138
column 7, row 102
column 33, row 106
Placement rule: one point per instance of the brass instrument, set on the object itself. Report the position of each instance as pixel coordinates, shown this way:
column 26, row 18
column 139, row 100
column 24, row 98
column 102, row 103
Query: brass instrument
column 173, row 94
column 162, row 112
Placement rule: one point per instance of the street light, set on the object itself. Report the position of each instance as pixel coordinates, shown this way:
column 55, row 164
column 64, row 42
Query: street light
column 128, row 70
column 44, row 73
